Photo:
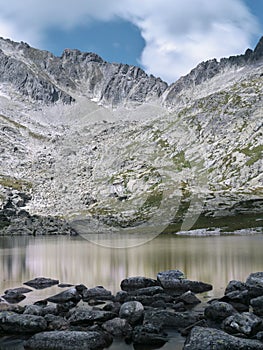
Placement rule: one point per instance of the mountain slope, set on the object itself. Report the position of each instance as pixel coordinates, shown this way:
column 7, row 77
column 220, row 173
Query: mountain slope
column 93, row 142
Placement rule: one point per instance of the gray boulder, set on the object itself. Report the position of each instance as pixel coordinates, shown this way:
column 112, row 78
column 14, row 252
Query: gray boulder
column 118, row 327
column 41, row 282
column 169, row 318
column 148, row 335
column 12, row 323
column 257, row 304
column 98, row 292
column 245, row 323
column 213, row 339
column 218, row 311
column 134, row 283
column 65, row 296
column 254, row 284
column 67, row 340
column 85, row 317
column 174, row 282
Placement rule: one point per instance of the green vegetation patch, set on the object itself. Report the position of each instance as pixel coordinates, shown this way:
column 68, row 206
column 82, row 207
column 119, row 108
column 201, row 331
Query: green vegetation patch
column 16, row 184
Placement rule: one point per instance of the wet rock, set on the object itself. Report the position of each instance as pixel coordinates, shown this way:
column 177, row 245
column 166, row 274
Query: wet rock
column 166, row 278
column 65, row 285
column 13, row 297
column 133, row 283
column 113, row 307
column 86, row 317
column 13, row 323
column 148, row 291
column 80, row 288
column 254, row 284
column 67, row 340
column 169, row 318
column 148, row 335
column 98, row 292
column 257, row 304
column 245, row 323
column 189, row 298
column 41, row 282
column 65, row 296
column 132, row 311
column 238, row 299
column 20, row 290
column 41, row 310
column 55, row 322
column 173, row 281
column 202, row 338
column 234, row 286
column 118, row 327
column 122, row 296
column 218, row 311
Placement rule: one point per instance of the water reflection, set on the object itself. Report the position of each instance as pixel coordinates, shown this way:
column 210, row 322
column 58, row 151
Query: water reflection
column 215, row 260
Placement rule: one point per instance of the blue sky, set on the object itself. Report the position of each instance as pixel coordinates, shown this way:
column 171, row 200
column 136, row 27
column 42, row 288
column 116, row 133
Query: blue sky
column 166, row 38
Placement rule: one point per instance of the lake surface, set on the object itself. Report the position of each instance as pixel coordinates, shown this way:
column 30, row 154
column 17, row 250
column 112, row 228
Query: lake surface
column 212, row 259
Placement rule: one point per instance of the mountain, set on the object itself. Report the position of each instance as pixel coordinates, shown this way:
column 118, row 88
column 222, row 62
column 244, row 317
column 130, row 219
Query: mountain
column 86, row 144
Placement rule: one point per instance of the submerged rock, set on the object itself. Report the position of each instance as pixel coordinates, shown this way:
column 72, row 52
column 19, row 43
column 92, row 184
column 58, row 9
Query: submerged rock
column 41, row 282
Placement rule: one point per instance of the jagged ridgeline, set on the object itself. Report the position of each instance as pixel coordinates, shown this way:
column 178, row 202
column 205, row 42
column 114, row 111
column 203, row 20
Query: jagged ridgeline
column 84, row 141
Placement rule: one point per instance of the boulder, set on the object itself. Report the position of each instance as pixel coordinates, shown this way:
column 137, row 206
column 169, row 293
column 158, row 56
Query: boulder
column 41, row 282
column 67, row 340
column 133, row 283
column 13, row 297
column 257, row 304
column 65, row 296
column 169, row 318
column 13, row 323
column 202, row 338
column 245, row 323
column 166, row 278
column 85, row 317
column 174, row 282
column 234, row 286
column 132, row 311
column 189, row 298
column 254, row 283
column 148, row 335
column 218, row 311
column 118, row 327
column 98, row 292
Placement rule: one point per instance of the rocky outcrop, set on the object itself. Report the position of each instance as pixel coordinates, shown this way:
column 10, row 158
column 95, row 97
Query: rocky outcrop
column 49, row 79
column 209, row 69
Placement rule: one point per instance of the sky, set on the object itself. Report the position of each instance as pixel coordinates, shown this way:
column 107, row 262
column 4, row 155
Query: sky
column 167, row 38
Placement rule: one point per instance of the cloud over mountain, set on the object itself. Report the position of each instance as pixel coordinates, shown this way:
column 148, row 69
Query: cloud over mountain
column 178, row 34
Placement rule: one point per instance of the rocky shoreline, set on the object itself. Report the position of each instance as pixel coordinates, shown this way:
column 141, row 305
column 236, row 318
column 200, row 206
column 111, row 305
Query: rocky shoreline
column 142, row 314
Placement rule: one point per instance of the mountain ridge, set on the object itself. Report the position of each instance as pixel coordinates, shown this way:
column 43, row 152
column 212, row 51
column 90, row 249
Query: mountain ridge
column 83, row 137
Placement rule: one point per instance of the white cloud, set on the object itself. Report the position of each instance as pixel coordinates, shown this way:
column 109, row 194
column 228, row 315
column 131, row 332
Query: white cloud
column 178, row 34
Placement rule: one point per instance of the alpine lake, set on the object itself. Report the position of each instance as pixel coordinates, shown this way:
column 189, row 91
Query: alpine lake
column 230, row 251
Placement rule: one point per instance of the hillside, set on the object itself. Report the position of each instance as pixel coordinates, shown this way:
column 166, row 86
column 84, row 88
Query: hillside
column 105, row 147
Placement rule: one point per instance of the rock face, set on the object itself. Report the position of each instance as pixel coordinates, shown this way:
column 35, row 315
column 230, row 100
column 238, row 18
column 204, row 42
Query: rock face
column 44, row 77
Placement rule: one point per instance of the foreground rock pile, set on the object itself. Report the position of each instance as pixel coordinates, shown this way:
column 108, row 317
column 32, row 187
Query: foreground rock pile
column 141, row 313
